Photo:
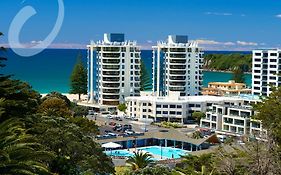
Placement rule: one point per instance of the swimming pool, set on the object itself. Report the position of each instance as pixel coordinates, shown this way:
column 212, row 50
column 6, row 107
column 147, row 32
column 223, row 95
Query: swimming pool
column 121, row 153
column 166, row 152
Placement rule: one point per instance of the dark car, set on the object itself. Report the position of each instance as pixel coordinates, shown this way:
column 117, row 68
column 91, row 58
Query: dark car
column 126, row 127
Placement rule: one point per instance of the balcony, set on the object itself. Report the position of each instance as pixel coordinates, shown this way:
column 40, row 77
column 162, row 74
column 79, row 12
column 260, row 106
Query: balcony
column 177, row 55
column 111, row 85
column 177, row 72
column 111, row 49
column 177, row 83
column 177, row 77
column 110, row 73
column 111, row 55
column 177, row 50
column 111, row 79
column 111, row 61
column 110, row 103
column 113, row 67
column 177, row 67
column 180, row 61
column 111, row 91
column 177, row 88
column 114, row 97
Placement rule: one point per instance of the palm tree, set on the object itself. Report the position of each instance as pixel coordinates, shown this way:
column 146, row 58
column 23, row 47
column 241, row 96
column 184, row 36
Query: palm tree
column 19, row 152
column 140, row 160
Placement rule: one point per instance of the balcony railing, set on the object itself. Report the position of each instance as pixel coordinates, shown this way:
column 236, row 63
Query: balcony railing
column 111, row 55
column 177, row 88
column 111, row 85
column 177, row 77
column 115, row 67
column 177, row 67
column 111, row 49
column 110, row 97
column 177, row 72
column 110, row 73
column 112, row 91
column 111, row 79
column 112, row 103
column 178, row 61
column 111, row 61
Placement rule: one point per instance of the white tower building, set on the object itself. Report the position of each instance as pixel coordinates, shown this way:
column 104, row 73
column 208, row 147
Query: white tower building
column 266, row 69
column 114, row 70
column 177, row 66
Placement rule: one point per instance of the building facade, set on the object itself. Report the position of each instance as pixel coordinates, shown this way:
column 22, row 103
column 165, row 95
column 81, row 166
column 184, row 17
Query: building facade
column 177, row 67
column 173, row 108
column 266, row 69
column 233, row 118
column 229, row 88
column 117, row 71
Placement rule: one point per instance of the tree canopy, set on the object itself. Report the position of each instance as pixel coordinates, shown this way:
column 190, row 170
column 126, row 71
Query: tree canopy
column 78, row 79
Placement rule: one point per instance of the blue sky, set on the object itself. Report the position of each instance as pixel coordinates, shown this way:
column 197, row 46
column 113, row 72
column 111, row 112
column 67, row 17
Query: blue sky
column 216, row 24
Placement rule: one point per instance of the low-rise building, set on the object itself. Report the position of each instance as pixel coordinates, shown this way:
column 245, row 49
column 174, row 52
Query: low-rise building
column 233, row 118
column 173, row 108
column 226, row 88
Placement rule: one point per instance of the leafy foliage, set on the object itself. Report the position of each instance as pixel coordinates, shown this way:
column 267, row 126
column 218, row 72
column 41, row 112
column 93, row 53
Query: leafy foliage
column 238, row 75
column 140, row 160
column 19, row 152
column 145, row 83
column 228, row 62
column 54, row 106
column 78, row 79
column 198, row 116
column 122, row 107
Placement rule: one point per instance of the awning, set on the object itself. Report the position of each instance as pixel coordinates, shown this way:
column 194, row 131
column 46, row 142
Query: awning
column 111, row 145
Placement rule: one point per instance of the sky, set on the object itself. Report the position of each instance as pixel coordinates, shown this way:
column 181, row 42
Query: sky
column 215, row 24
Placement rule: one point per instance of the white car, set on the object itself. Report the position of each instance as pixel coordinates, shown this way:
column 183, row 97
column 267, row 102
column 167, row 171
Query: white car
column 112, row 134
column 129, row 132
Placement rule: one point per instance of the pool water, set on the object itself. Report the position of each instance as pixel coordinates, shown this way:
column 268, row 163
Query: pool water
column 167, row 152
column 121, row 153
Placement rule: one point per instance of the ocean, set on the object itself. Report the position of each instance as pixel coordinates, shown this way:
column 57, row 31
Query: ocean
column 51, row 69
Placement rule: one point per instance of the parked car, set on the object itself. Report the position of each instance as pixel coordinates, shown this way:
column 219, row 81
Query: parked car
column 112, row 123
column 129, row 132
column 118, row 119
column 112, row 134
column 125, row 127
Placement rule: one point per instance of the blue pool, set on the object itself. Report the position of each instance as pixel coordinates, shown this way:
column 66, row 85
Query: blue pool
column 121, row 153
column 166, row 152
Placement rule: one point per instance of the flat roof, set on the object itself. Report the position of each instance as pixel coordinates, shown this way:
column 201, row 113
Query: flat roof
column 170, row 134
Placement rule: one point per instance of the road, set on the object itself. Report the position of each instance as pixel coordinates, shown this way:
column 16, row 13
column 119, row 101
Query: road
column 137, row 126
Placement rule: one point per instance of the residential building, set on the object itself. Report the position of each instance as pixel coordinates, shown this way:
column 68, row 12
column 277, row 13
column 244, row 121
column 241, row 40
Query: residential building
column 117, row 74
column 233, row 118
column 177, row 67
column 173, row 108
column 266, row 69
column 230, row 88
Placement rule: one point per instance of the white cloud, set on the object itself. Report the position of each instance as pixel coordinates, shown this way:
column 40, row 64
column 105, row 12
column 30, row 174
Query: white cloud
column 218, row 14
column 244, row 43
column 278, row 16
column 149, row 41
column 213, row 42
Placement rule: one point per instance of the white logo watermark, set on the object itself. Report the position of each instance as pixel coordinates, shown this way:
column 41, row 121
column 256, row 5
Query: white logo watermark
column 17, row 24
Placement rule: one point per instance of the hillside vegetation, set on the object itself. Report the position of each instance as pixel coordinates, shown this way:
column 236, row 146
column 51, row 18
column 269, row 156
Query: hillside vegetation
column 228, row 62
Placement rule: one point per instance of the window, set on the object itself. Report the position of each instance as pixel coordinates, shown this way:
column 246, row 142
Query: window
column 144, row 110
column 179, row 106
column 158, row 112
column 123, row 73
column 178, row 113
column 257, row 54
column 132, row 55
column 122, row 84
column 158, row 106
column 165, row 112
column 123, row 55
column 144, row 104
column 123, row 60
column 172, row 112
column 172, row 106
column 165, row 106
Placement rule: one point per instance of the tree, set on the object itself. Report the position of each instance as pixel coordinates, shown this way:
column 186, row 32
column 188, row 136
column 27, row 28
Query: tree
column 73, row 145
column 269, row 112
column 145, row 83
column 238, row 75
column 154, row 170
column 198, row 116
column 57, row 95
column 20, row 153
column 122, row 107
column 54, row 106
column 140, row 160
column 78, row 79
